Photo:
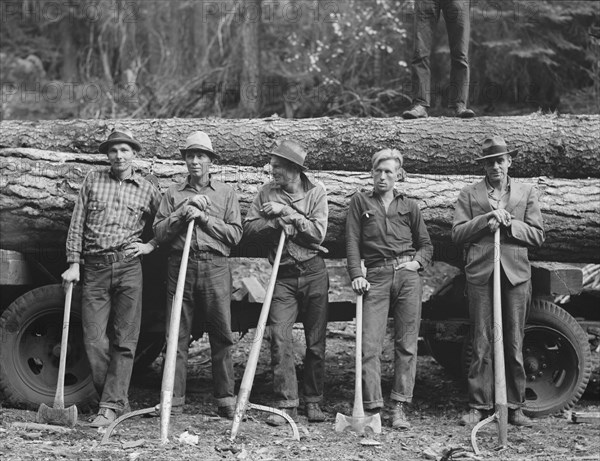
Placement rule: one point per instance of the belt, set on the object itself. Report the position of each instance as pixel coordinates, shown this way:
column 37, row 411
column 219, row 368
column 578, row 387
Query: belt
column 300, row 267
column 107, row 258
column 200, row 255
column 390, row 262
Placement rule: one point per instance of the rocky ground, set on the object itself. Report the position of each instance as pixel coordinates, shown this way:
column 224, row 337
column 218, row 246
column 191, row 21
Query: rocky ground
column 200, row 434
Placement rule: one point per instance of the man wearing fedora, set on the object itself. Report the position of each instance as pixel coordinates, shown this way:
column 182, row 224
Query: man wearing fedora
column 298, row 206
column 206, row 300
column 387, row 230
column 497, row 202
column 113, row 208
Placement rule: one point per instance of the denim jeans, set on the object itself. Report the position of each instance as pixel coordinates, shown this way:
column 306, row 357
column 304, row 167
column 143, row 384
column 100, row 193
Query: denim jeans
column 111, row 316
column 456, row 16
column 398, row 290
column 206, row 307
column 515, row 308
column 300, row 289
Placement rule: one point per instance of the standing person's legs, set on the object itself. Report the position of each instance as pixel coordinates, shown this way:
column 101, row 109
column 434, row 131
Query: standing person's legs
column 515, row 307
column 458, row 26
column 376, row 307
column 185, row 323
column 406, row 308
column 214, row 295
column 481, row 371
column 95, row 311
column 127, row 317
column 427, row 14
column 313, row 288
column 283, row 313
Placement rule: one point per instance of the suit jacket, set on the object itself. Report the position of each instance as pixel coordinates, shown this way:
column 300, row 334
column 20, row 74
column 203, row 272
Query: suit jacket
column 470, row 229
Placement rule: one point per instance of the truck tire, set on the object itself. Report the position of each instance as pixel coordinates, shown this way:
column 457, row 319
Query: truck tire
column 30, row 336
column 557, row 359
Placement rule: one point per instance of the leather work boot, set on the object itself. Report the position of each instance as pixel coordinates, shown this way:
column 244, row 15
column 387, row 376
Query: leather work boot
column 314, row 413
column 416, row 111
column 461, row 111
column 472, row 417
column 104, row 418
column 399, row 420
column 276, row 420
column 372, row 411
column 517, row 418
column 227, row 412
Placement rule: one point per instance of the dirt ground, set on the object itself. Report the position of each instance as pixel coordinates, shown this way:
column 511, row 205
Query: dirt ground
column 439, row 401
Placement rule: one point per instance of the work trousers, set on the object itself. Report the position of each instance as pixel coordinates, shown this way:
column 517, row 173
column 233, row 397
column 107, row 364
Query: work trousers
column 111, row 316
column 206, row 307
column 399, row 291
column 456, row 16
column 300, row 288
column 515, row 308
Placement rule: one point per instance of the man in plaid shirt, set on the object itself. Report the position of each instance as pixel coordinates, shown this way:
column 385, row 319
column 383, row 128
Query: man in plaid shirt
column 110, row 214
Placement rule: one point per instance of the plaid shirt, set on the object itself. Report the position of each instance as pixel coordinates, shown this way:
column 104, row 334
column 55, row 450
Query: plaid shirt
column 110, row 214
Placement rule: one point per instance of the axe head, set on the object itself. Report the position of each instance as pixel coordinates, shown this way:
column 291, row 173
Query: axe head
column 58, row 416
column 358, row 423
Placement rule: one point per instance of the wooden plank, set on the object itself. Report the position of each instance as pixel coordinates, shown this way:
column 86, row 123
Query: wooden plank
column 586, row 417
column 555, row 278
column 256, row 292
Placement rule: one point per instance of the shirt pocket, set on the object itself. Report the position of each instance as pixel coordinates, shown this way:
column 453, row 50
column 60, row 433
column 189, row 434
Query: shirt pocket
column 369, row 225
column 96, row 212
column 133, row 215
column 400, row 225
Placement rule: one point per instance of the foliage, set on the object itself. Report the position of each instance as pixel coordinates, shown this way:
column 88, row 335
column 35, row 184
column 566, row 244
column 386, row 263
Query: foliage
column 183, row 58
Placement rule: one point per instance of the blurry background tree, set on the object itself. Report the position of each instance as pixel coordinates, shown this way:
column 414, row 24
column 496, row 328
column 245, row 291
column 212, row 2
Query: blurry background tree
column 293, row 58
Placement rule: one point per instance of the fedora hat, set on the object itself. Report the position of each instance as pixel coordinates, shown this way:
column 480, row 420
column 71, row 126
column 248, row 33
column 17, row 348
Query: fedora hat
column 495, row 146
column 119, row 135
column 198, row 141
column 292, row 152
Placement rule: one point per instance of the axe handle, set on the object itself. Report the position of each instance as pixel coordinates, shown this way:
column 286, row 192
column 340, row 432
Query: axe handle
column 248, row 378
column 499, row 372
column 59, row 398
column 358, row 410
column 168, row 380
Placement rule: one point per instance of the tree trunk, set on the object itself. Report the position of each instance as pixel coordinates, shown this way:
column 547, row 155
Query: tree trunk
column 250, row 88
column 38, row 189
column 549, row 145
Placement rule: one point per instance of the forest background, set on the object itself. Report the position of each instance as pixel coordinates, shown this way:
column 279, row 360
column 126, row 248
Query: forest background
column 62, row 59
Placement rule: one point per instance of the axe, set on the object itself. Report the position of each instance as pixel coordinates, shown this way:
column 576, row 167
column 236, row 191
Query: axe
column 358, row 421
column 501, row 413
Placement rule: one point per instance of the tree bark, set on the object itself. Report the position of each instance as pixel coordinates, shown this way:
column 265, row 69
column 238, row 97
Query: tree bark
column 38, row 189
column 250, row 88
column 549, row 145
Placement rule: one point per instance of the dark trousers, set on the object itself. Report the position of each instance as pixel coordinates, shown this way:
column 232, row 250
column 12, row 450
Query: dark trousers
column 111, row 315
column 456, row 16
column 301, row 288
column 205, row 308
column 400, row 291
column 515, row 307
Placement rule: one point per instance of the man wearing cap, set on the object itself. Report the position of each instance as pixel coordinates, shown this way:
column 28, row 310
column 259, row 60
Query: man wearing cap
column 110, row 214
column 495, row 202
column 387, row 230
column 298, row 206
column 206, row 300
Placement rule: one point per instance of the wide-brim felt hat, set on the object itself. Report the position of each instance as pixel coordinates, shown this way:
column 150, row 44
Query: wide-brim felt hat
column 198, row 141
column 119, row 135
column 292, row 152
column 495, row 146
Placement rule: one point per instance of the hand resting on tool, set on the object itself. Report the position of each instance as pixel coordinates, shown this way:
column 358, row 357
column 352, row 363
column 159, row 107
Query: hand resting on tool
column 202, row 202
column 360, row 285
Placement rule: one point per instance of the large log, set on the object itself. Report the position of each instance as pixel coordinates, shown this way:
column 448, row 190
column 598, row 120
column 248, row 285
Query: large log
column 38, row 188
column 550, row 145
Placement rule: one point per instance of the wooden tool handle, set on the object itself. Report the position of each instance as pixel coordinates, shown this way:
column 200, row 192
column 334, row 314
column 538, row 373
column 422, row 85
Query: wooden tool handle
column 499, row 372
column 248, row 378
column 358, row 410
column 59, row 398
column 166, row 392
